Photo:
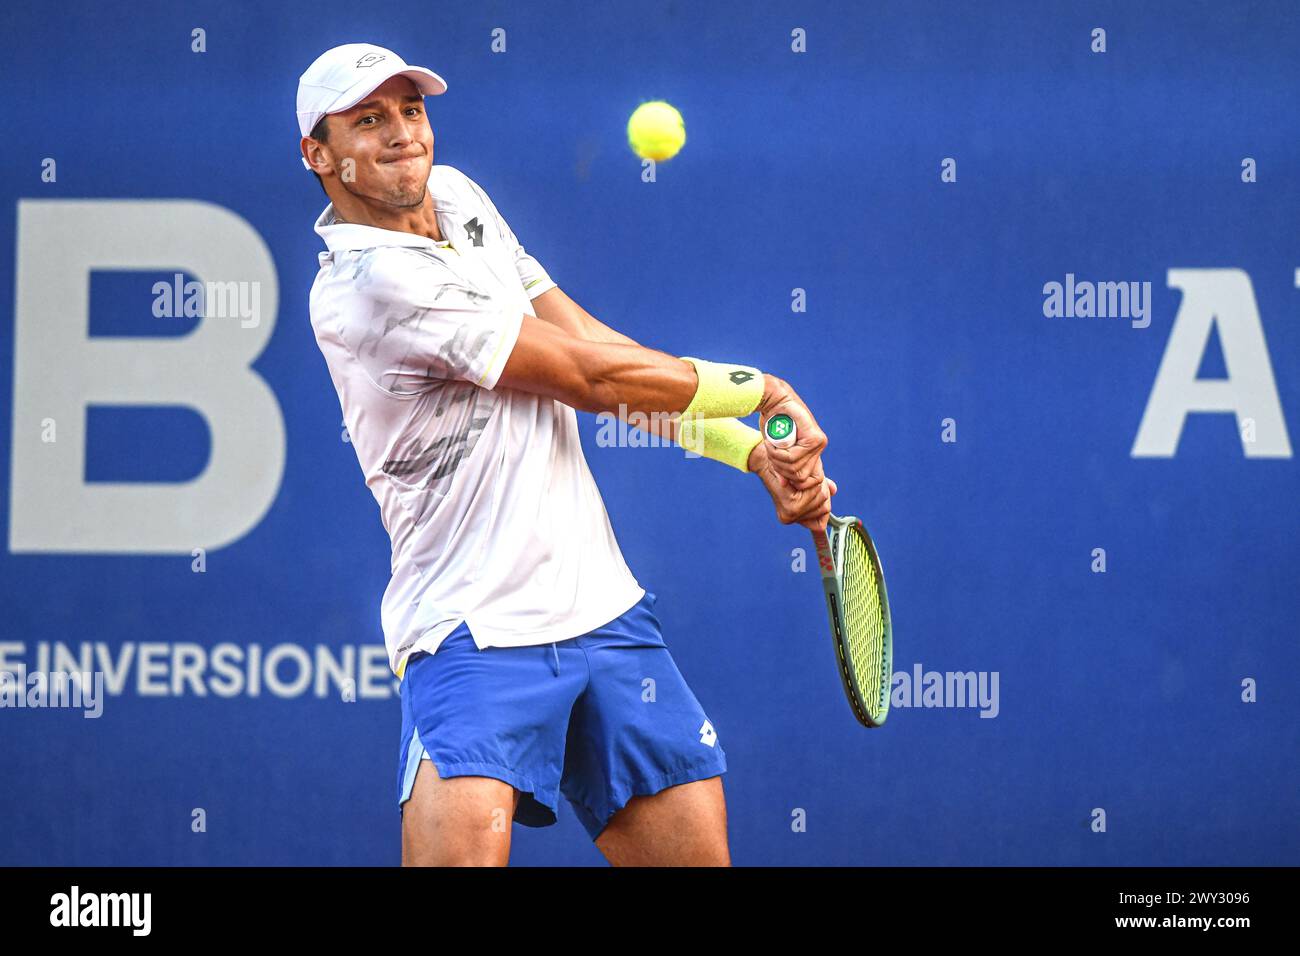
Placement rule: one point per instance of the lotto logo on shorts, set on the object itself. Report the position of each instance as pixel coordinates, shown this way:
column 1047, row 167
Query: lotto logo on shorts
column 708, row 735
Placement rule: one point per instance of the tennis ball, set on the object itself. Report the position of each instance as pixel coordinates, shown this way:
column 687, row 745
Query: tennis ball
column 656, row 131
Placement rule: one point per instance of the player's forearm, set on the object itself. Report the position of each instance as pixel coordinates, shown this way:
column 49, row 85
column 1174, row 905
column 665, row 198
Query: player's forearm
column 598, row 331
column 556, row 307
column 594, row 330
column 633, row 378
column 622, row 379
column 667, row 427
column 627, row 379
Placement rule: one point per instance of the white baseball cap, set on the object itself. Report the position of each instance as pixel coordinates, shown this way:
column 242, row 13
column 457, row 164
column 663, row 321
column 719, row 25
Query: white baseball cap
column 342, row 77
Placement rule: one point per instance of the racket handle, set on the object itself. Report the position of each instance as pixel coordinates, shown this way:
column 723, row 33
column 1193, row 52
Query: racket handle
column 780, row 431
column 825, row 553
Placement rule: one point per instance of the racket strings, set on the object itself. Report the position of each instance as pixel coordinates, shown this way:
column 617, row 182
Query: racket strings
column 864, row 620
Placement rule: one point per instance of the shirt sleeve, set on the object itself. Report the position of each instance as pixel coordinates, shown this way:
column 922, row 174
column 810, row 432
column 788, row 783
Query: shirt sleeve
column 415, row 322
column 532, row 276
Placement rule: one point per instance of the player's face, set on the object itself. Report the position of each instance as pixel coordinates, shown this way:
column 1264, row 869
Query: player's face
column 387, row 135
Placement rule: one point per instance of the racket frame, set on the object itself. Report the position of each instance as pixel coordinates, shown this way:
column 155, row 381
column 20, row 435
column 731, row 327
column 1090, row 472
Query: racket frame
column 830, row 546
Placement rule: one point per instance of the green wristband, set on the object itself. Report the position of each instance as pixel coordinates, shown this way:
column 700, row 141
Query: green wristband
column 724, row 391
column 723, row 439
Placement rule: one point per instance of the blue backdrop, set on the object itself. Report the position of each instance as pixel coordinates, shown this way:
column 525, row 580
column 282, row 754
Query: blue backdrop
column 922, row 171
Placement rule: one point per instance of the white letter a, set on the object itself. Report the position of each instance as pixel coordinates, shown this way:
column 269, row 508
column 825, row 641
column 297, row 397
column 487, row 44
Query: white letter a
column 1224, row 296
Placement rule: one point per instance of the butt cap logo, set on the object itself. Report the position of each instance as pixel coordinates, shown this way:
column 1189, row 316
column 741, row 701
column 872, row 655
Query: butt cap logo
column 778, row 426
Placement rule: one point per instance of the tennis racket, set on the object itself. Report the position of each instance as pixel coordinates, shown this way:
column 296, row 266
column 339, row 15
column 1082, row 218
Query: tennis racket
column 856, row 603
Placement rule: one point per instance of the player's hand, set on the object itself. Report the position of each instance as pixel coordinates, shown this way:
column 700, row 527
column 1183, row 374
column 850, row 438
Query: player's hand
column 810, row 507
column 799, row 464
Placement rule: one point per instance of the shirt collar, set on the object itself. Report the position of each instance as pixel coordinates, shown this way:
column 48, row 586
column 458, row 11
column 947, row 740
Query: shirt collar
column 341, row 236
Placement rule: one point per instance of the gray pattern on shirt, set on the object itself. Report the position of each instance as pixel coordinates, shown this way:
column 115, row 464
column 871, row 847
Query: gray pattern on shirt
column 400, row 368
column 446, row 423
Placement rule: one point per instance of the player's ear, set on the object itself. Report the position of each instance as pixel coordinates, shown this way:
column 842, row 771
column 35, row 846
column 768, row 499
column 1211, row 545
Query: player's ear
column 314, row 154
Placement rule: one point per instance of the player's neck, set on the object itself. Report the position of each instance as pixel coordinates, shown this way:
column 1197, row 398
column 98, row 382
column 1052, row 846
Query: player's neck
column 420, row 220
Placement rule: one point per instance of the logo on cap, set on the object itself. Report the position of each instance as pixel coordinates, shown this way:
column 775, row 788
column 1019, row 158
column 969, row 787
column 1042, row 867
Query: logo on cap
column 370, row 59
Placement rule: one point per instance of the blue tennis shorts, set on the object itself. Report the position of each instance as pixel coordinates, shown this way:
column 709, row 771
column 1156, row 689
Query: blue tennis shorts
column 602, row 718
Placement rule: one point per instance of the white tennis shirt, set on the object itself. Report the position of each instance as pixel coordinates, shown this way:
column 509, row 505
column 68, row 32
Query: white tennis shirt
column 493, row 515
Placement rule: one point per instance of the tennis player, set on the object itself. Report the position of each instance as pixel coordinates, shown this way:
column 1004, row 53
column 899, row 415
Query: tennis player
column 531, row 661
